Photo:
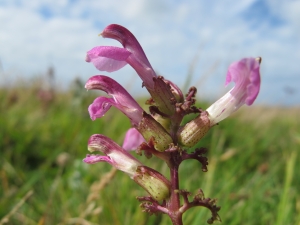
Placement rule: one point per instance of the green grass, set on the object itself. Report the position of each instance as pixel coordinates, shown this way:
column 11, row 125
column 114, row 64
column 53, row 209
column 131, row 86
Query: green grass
column 254, row 165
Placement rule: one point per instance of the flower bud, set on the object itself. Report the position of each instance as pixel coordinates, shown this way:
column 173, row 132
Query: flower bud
column 153, row 182
column 175, row 90
column 152, row 130
column 162, row 96
column 193, row 131
column 165, row 122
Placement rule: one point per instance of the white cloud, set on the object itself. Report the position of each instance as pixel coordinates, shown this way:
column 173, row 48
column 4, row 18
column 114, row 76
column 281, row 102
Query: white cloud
column 35, row 34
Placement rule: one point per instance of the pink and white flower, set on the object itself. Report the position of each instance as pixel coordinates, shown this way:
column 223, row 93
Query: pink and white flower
column 245, row 73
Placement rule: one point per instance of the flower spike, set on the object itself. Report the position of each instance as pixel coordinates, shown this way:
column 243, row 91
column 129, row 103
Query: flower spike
column 164, row 132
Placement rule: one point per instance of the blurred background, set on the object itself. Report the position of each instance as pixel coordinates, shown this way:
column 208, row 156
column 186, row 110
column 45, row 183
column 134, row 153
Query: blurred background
column 44, row 124
column 174, row 34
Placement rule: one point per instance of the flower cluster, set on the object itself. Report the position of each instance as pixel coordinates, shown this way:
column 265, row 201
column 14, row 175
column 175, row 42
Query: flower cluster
column 160, row 131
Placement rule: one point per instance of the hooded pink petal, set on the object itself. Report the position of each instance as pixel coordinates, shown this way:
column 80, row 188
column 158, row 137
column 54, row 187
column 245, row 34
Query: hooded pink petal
column 245, row 73
column 100, row 106
column 137, row 59
column 127, row 39
column 120, row 99
column 108, row 58
column 114, row 154
column 133, row 139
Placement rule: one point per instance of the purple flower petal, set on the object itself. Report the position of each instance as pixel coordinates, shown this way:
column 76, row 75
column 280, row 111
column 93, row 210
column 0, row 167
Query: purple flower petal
column 114, row 154
column 92, row 159
column 245, row 73
column 121, row 99
column 108, row 58
column 133, row 139
column 127, row 39
column 137, row 59
column 100, row 106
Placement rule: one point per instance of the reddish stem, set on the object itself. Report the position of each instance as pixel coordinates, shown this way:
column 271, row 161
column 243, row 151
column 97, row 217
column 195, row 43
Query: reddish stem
column 173, row 204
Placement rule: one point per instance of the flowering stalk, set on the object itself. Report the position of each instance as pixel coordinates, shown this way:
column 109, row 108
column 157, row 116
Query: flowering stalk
column 161, row 133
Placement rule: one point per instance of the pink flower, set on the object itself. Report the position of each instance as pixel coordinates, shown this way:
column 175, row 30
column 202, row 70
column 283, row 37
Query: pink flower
column 152, row 181
column 133, row 139
column 245, row 73
column 108, row 58
column 121, row 99
column 114, row 154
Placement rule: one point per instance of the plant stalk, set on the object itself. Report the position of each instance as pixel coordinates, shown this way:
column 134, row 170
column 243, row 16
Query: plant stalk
column 174, row 202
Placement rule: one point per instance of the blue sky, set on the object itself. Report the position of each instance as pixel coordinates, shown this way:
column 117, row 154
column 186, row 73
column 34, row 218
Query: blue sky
column 38, row 33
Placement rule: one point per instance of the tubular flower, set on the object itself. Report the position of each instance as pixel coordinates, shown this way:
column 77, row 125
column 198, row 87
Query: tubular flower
column 114, row 154
column 152, row 181
column 108, row 58
column 121, row 99
column 245, row 73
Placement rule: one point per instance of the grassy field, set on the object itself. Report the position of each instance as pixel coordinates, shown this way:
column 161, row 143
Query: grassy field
column 254, row 164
